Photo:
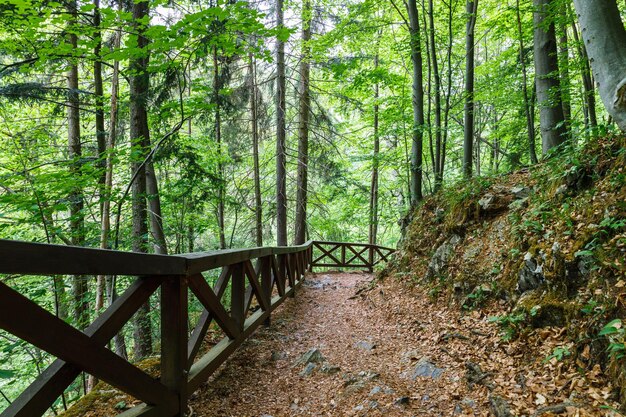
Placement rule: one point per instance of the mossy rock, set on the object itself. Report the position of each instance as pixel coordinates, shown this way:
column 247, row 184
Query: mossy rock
column 547, row 309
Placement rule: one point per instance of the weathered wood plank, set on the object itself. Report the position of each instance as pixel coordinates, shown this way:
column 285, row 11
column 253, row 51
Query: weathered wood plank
column 197, row 336
column 174, row 339
column 210, row 301
column 49, row 385
column 40, row 328
column 18, row 258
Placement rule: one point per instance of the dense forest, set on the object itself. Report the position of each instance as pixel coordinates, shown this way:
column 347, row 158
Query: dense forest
column 174, row 127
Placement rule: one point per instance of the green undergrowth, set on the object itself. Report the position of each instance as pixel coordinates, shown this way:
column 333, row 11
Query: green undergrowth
column 567, row 214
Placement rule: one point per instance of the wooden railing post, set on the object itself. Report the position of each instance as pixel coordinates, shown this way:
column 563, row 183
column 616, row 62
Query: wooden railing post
column 343, row 255
column 238, row 295
column 266, row 282
column 370, row 258
column 174, row 339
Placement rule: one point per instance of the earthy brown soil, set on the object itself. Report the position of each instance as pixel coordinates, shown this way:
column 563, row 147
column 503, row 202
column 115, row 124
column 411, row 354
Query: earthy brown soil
column 333, row 313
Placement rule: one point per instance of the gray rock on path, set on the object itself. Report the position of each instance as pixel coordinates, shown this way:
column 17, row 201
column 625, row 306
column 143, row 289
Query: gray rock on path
column 426, row 369
column 308, row 369
column 365, row 345
column 499, row 406
column 311, row 356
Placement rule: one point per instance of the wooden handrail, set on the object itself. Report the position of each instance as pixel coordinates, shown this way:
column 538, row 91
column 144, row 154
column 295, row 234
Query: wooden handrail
column 276, row 275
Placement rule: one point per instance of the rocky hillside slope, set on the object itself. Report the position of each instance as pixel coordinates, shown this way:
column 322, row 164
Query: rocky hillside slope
column 547, row 245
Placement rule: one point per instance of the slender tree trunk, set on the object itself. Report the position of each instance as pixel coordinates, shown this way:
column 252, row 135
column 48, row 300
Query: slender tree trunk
column 437, row 78
column 418, row 103
column 468, row 131
column 564, row 67
column 102, row 151
column 530, row 120
column 254, row 125
column 446, row 113
column 373, row 232
column 218, row 139
column 552, row 120
column 77, row 216
column 589, row 93
column 281, row 150
column 154, row 210
column 604, row 37
column 303, row 126
column 140, row 139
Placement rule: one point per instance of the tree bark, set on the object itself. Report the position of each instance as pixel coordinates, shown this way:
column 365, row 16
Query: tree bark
column 589, row 93
column 528, row 106
column 604, row 37
column 218, row 139
column 563, row 46
column 418, row 103
column 304, row 110
column 437, row 78
column 373, row 229
column 552, row 119
column 76, row 198
column 254, row 127
column 281, row 150
column 140, row 138
column 468, row 130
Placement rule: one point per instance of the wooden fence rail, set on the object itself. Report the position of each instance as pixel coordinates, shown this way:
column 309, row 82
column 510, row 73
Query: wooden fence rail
column 260, row 279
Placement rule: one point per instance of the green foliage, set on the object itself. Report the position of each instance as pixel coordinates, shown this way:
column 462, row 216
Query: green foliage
column 616, row 335
column 510, row 324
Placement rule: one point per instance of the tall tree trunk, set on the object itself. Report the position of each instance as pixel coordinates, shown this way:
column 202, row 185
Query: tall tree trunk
column 154, row 210
column 77, row 217
column 528, row 107
column 140, row 138
column 605, row 39
column 254, row 125
column 468, row 131
column 281, row 150
column 435, row 68
column 589, row 93
column 218, row 139
column 373, row 229
column 304, row 112
column 418, row 103
column 446, row 113
column 552, row 120
column 564, row 67
column 102, row 152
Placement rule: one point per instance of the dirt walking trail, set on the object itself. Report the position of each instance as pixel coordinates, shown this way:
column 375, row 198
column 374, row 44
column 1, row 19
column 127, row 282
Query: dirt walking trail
column 339, row 349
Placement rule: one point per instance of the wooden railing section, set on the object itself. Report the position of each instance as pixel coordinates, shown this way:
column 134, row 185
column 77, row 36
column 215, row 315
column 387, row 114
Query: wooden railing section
column 260, row 279
column 349, row 255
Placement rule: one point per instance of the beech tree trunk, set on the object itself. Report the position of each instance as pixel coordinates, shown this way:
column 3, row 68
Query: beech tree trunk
column 218, row 140
column 373, row 229
column 304, row 110
column 76, row 198
column 418, row 103
column 254, row 127
column 589, row 93
column 604, row 37
column 528, row 102
column 552, row 119
column 140, row 138
column 281, row 150
column 468, row 130
column 437, row 79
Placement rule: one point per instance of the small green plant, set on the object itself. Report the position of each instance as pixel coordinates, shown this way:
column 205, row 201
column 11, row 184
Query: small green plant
column 510, row 324
column 616, row 334
column 592, row 308
column 559, row 353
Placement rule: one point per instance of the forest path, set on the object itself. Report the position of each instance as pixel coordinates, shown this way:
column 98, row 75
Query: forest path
column 373, row 344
